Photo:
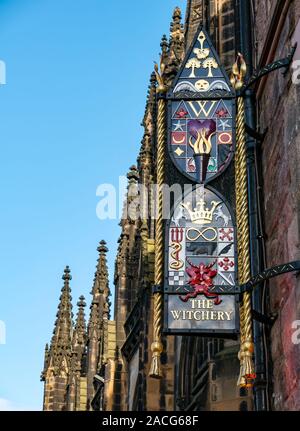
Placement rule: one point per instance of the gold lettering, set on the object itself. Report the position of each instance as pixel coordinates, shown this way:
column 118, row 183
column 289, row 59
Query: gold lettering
column 205, row 315
column 202, row 106
column 197, row 315
column 201, row 314
column 201, row 303
column 228, row 314
column 176, row 314
column 189, row 313
column 213, row 315
column 210, row 304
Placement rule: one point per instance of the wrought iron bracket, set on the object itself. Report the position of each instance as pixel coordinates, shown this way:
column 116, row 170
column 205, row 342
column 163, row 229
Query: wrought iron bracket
column 249, row 286
column 255, row 134
column 278, row 64
column 267, row 320
column 270, row 273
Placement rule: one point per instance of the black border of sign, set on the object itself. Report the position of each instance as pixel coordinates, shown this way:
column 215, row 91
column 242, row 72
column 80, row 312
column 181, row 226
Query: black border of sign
column 227, row 333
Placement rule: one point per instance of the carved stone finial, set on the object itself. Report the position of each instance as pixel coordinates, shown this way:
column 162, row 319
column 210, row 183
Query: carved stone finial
column 100, row 289
column 59, row 352
column 152, row 79
column 80, row 328
column 67, row 274
column 176, row 28
column 175, row 53
column 164, row 44
column 133, row 173
column 102, row 247
column 81, row 303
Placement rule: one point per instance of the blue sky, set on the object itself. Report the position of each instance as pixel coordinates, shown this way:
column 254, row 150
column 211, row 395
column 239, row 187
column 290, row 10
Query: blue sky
column 70, row 113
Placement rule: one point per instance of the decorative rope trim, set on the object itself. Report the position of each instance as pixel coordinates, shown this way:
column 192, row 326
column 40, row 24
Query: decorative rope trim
column 157, row 346
column 247, row 371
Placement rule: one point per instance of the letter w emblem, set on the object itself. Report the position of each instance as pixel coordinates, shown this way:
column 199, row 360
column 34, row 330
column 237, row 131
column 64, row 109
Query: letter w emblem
column 204, row 107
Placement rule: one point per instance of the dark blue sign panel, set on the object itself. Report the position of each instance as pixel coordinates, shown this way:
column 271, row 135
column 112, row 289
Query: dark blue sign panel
column 202, row 110
column 201, row 268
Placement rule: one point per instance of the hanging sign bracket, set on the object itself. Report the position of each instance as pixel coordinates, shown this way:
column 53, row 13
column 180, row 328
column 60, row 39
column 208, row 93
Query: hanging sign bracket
column 278, row 64
column 270, row 273
column 267, row 320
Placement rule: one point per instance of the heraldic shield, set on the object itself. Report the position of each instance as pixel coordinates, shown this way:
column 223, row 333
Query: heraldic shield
column 202, row 114
column 201, row 266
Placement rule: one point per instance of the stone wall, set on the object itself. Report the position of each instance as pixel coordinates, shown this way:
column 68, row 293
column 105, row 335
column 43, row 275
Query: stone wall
column 279, row 111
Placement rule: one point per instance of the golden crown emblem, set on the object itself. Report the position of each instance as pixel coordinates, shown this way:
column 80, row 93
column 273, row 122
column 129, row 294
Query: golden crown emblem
column 201, row 214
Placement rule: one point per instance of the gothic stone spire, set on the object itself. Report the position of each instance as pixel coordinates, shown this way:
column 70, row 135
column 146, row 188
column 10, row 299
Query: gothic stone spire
column 79, row 335
column 177, row 34
column 175, row 48
column 100, row 292
column 60, row 348
column 58, row 358
column 99, row 312
column 101, row 276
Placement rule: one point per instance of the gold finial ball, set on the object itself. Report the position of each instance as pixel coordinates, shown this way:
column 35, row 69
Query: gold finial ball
column 248, row 346
column 157, row 347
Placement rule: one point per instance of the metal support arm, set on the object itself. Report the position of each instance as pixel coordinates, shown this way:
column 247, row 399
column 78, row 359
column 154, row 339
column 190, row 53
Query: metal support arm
column 278, row 64
column 270, row 273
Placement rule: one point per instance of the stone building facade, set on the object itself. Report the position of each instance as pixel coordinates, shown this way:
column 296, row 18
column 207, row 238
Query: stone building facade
column 277, row 29
column 105, row 366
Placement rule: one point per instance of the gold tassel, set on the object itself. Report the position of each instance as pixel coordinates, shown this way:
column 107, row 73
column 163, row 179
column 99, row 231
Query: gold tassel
column 241, row 379
column 242, row 382
column 155, row 369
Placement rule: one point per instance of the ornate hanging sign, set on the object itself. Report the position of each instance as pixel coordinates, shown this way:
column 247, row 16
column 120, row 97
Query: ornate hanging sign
column 201, row 266
column 202, row 106
column 200, row 261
